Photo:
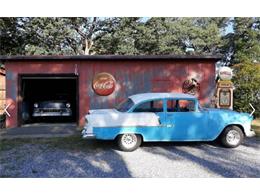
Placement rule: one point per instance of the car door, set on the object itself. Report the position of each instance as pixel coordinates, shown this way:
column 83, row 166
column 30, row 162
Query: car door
column 185, row 121
column 154, row 133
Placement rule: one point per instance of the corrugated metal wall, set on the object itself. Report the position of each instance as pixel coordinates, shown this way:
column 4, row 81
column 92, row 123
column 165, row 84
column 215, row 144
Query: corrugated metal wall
column 132, row 76
column 155, row 76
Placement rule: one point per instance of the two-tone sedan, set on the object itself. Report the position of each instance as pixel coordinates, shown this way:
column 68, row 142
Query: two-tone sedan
column 152, row 117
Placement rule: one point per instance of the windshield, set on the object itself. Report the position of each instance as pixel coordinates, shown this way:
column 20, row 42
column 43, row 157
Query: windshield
column 125, row 105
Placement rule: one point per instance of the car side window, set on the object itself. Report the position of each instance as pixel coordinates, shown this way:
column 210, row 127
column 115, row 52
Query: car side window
column 180, row 106
column 150, row 106
column 172, row 106
column 186, row 105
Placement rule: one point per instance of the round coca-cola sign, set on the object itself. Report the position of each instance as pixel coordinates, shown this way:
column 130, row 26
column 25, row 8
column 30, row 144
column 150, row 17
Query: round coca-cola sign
column 104, row 84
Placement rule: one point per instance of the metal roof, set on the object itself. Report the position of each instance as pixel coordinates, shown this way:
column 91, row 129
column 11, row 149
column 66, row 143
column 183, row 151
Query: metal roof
column 111, row 57
column 150, row 96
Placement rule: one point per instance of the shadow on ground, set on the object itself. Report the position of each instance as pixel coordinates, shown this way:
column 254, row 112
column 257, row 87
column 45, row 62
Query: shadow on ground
column 212, row 157
column 62, row 157
column 74, row 157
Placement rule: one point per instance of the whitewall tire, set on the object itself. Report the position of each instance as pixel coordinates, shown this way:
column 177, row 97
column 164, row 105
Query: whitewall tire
column 232, row 137
column 129, row 142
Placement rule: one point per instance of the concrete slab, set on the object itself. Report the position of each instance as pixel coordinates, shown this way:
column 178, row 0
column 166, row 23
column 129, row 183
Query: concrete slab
column 40, row 130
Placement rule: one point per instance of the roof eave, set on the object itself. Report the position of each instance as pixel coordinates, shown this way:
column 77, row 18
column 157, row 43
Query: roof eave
column 113, row 57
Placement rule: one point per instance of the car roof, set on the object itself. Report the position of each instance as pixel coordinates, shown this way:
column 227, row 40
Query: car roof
column 149, row 96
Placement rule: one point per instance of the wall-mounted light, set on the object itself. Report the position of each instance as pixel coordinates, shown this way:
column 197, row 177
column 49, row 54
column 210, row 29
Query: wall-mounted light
column 76, row 69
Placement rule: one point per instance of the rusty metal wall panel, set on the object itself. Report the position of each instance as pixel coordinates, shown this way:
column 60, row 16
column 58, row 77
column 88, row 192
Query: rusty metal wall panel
column 142, row 76
column 132, row 76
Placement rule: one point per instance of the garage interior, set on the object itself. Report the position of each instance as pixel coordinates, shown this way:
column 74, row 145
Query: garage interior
column 39, row 89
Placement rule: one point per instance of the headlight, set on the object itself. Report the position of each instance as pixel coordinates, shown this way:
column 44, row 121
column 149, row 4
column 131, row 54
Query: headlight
column 68, row 105
column 35, row 105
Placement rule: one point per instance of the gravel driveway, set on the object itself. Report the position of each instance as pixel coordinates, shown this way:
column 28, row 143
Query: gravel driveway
column 73, row 157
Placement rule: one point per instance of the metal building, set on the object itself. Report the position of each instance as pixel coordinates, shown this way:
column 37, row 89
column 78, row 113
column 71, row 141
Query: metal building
column 91, row 82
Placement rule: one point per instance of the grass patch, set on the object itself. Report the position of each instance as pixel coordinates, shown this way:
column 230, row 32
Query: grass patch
column 256, row 126
column 8, row 144
column 66, row 143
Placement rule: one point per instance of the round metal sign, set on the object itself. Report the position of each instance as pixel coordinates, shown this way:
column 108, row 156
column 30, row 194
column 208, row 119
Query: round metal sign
column 104, row 84
column 191, row 86
column 225, row 73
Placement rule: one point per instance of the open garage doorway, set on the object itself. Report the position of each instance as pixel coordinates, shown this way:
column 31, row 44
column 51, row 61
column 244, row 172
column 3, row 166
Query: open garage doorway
column 48, row 99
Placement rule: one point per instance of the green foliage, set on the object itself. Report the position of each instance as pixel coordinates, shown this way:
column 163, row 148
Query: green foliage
column 11, row 36
column 121, row 39
column 136, row 36
column 244, row 46
column 163, row 36
column 247, row 40
column 52, row 36
column 247, row 87
column 46, row 36
column 243, row 43
column 139, row 36
column 202, row 33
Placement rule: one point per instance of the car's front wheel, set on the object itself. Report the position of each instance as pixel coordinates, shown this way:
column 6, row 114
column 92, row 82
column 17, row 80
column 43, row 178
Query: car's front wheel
column 232, row 137
column 129, row 142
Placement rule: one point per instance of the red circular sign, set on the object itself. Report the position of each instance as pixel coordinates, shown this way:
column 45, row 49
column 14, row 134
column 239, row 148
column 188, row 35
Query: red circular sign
column 104, row 84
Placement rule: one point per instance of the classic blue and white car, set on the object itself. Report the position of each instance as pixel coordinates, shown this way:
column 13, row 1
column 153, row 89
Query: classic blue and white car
column 166, row 117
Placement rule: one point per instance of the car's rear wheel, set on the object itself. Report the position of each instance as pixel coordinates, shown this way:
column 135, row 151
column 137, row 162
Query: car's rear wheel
column 129, row 142
column 232, row 137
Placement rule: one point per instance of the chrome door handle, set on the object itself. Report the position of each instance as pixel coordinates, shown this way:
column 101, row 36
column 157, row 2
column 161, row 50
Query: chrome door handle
column 167, row 125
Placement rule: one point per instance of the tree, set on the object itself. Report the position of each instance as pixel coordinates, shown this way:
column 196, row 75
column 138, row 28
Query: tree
column 164, row 36
column 11, row 36
column 87, row 31
column 47, row 36
column 203, row 34
column 53, row 36
column 242, row 47
column 243, row 43
column 121, row 39
column 247, row 40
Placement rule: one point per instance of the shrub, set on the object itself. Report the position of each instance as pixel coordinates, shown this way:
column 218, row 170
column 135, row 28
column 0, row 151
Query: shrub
column 247, row 88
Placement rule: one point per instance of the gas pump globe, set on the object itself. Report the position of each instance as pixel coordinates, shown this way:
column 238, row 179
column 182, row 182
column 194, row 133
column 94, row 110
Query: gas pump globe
column 224, row 90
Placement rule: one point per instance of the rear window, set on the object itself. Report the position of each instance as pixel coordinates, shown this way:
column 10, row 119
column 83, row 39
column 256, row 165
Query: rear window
column 125, row 105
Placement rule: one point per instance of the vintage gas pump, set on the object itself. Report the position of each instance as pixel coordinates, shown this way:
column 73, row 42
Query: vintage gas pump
column 224, row 90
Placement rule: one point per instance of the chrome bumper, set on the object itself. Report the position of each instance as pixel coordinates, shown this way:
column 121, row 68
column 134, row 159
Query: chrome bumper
column 51, row 114
column 86, row 135
column 251, row 133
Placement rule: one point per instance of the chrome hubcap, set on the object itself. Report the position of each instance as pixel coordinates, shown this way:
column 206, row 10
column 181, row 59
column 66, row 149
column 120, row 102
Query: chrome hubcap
column 129, row 140
column 233, row 137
